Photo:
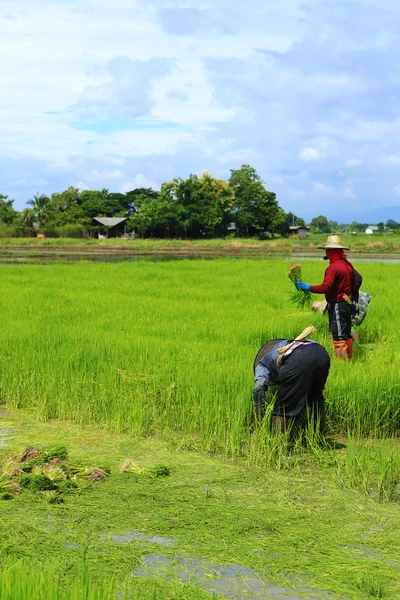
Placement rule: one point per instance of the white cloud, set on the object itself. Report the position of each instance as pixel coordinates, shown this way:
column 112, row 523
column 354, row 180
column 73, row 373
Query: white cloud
column 139, row 181
column 96, row 175
column 392, row 159
column 235, row 158
column 309, row 154
column 397, row 190
column 321, row 188
column 349, row 194
column 353, row 162
column 81, row 185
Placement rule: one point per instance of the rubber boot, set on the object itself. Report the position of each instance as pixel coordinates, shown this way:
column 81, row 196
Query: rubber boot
column 283, row 426
column 341, row 349
column 349, row 343
column 280, row 424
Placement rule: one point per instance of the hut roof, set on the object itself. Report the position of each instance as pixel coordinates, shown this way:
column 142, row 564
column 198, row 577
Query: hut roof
column 110, row 221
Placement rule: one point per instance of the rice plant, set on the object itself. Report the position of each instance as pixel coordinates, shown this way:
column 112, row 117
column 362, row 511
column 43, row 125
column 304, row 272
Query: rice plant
column 167, row 348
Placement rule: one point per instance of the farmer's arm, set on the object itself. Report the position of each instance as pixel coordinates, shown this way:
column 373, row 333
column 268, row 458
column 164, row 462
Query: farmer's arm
column 261, row 383
column 327, row 283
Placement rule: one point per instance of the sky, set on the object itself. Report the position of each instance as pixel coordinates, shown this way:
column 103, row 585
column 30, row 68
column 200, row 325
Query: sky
column 131, row 93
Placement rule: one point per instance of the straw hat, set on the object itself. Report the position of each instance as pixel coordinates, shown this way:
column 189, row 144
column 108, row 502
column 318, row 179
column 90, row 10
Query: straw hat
column 333, row 243
column 265, row 349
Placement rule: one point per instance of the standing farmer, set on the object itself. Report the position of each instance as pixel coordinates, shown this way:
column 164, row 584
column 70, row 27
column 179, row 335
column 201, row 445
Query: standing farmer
column 300, row 370
column 341, row 290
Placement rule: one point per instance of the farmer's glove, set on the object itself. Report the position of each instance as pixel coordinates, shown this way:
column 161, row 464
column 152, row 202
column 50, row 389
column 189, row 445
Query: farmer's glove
column 304, row 287
column 260, row 388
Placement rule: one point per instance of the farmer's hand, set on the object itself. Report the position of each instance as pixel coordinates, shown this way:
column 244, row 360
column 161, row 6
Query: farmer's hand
column 260, row 385
column 304, row 287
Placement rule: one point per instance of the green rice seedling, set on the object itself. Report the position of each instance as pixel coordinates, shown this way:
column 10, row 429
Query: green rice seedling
column 297, row 297
column 373, row 585
column 176, row 360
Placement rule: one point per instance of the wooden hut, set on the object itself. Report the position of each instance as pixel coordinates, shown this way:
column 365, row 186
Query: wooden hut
column 109, row 226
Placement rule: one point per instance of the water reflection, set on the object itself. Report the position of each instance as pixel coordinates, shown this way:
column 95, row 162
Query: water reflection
column 20, row 257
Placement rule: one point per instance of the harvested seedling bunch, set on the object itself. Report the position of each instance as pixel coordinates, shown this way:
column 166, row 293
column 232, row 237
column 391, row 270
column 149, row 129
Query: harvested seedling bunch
column 153, row 471
column 46, row 472
column 298, row 297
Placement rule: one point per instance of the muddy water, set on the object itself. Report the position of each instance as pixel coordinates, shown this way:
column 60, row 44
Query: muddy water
column 233, row 581
column 6, row 431
column 49, row 256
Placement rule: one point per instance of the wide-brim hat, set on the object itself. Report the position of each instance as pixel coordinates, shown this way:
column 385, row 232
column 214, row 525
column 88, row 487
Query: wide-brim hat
column 265, row 349
column 333, row 243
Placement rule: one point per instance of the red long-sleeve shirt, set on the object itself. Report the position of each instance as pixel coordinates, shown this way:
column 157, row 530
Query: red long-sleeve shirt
column 339, row 279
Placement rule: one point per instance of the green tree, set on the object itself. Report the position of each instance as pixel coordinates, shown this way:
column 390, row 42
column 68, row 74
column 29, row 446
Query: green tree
column 320, row 224
column 7, row 212
column 292, row 219
column 26, row 221
column 255, row 210
column 391, row 224
column 66, row 208
column 381, row 227
column 41, row 207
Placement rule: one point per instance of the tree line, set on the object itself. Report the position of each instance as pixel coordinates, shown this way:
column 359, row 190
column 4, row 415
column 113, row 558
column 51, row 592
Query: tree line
column 191, row 208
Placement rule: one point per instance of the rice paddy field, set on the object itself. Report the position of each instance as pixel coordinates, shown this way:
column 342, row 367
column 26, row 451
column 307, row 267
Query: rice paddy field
column 153, row 362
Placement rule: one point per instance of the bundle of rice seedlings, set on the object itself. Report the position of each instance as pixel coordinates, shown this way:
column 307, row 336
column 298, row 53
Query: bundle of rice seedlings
column 153, row 472
column 7, row 486
column 94, row 474
column 11, row 468
column 157, row 471
column 52, row 496
column 130, row 467
column 30, row 453
column 55, row 474
column 298, row 297
column 37, row 482
column 56, row 454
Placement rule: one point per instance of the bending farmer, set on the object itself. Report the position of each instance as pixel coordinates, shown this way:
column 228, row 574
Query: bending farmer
column 341, row 290
column 300, row 374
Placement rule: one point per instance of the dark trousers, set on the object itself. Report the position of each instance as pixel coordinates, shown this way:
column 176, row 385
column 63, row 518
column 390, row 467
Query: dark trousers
column 301, row 380
column 340, row 314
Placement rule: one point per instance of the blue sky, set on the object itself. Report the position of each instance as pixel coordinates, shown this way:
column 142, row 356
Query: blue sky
column 132, row 93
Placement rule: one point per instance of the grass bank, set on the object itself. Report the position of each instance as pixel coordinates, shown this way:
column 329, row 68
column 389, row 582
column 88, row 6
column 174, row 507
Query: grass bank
column 360, row 243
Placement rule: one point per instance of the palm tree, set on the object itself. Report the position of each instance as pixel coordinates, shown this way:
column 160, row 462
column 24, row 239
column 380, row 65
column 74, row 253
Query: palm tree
column 27, row 220
column 40, row 207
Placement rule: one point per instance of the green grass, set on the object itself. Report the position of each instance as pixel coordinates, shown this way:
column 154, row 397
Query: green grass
column 309, row 524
